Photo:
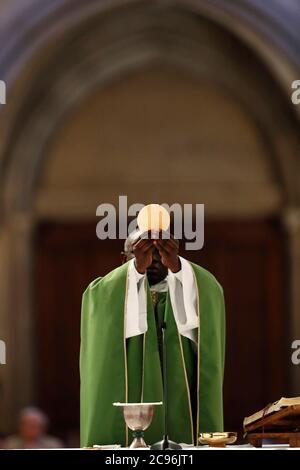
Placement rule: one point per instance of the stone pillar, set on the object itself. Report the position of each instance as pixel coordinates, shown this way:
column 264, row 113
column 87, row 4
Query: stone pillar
column 5, row 370
column 292, row 225
column 16, row 328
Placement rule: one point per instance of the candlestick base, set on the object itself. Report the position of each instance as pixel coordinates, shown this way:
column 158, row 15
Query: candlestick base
column 165, row 444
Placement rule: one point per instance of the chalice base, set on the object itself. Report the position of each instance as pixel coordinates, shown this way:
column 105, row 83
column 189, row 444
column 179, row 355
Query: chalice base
column 137, row 443
column 165, row 444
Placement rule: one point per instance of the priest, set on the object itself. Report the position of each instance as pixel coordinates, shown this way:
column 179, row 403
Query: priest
column 121, row 345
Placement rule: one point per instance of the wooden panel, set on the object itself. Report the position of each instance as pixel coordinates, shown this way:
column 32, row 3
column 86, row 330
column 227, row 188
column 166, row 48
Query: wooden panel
column 68, row 258
column 247, row 258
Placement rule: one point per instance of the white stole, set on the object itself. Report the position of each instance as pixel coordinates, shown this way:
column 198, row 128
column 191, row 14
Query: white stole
column 183, row 295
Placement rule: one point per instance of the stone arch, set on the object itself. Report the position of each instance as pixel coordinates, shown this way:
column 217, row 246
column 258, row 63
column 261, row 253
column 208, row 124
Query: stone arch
column 146, row 33
column 132, row 34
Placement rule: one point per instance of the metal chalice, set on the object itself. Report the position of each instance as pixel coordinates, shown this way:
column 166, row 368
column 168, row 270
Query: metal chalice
column 138, row 417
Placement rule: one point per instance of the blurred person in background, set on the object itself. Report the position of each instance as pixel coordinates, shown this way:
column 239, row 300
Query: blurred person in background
column 32, row 432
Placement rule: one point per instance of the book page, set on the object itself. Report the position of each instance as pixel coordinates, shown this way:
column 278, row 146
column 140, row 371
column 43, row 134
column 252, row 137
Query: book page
column 276, row 406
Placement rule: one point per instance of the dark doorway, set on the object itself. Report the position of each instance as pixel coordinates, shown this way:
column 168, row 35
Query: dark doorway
column 248, row 258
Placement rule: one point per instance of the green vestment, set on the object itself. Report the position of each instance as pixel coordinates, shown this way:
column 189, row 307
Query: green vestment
column 116, row 369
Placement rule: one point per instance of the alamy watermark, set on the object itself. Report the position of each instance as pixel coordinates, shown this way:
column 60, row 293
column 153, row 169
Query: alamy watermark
column 295, row 357
column 2, row 352
column 2, row 92
column 188, row 221
column 295, row 97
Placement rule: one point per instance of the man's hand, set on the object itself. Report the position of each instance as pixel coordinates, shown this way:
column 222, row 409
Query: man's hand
column 168, row 251
column 142, row 250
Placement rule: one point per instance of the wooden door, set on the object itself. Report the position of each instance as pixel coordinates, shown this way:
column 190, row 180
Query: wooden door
column 248, row 258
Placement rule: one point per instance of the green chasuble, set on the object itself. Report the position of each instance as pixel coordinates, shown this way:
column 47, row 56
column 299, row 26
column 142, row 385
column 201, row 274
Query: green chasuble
column 116, row 369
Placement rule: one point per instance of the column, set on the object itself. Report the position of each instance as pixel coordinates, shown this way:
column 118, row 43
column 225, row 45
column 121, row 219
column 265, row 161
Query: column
column 292, row 225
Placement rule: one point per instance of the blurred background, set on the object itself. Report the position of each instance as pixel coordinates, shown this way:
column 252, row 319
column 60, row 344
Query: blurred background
column 183, row 101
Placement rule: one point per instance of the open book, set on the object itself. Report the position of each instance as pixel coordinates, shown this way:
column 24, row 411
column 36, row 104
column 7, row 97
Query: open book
column 276, row 406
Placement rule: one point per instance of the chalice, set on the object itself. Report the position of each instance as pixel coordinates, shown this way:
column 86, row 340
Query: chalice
column 138, row 417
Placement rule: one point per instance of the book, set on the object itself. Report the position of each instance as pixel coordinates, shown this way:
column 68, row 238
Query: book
column 272, row 408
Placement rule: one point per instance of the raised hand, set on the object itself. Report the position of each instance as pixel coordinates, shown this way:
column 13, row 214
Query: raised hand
column 142, row 250
column 168, row 251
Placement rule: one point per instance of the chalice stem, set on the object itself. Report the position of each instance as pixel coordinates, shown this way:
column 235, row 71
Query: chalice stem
column 138, row 440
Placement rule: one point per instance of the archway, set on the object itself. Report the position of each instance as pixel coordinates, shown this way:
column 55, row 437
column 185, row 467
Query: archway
column 186, row 35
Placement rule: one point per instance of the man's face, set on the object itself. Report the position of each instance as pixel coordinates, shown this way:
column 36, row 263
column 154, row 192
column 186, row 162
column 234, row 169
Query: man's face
column 156, row 271
column 31, row 427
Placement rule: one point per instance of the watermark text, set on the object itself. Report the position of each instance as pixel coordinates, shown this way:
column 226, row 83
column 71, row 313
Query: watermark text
column 2, row 92
column 296, row 353
column 188, row 221
column 295, row 97
column 2, row 352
